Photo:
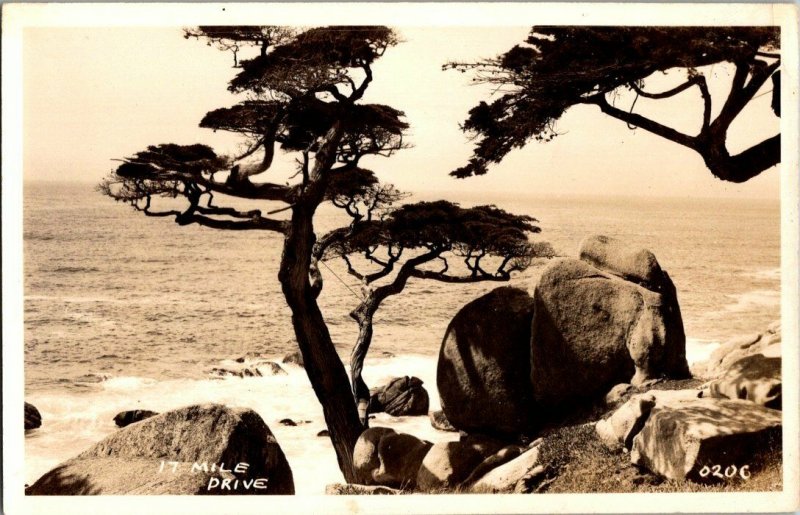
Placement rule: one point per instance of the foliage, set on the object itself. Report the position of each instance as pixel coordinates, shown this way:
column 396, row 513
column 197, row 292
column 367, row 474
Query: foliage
column 298, row 124
column 304, row 92
column 234, row 37
column 286, row 109
column 318, row 59
column 441, row 229
column 560, row 67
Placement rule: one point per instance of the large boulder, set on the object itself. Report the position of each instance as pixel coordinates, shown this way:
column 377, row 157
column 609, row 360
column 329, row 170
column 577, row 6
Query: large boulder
column 767, row 343
column 382, row 456
column 593, row 328
column 693, row 439
column 483, row 373
column 447, row 464
column 126, row 418
column 400, row 397
column 33, row 418
column 365, row 453
column 618, row 430
column 198, row 450
column 755, row 378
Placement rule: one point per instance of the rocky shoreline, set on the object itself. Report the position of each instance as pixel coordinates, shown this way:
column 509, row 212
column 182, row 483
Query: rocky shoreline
column 576, row 457
column 581, row 387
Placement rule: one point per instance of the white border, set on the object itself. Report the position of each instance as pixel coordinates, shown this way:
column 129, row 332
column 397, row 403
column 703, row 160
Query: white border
column 16, row 17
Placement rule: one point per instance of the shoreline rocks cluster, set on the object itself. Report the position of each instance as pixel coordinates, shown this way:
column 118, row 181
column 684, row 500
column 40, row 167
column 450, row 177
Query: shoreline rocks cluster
column 510, row 362
column 598, row 331
column 385, row 458
column 257, row 368
column 702, row 434
column 599, row 346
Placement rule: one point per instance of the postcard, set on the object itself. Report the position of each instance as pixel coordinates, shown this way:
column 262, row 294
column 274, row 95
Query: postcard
column 400, row 258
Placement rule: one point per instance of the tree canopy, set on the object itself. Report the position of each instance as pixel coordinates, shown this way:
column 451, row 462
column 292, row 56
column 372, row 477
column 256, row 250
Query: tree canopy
column 288, row 109
column 304, row 92
column 438, row 229
column 560, row 67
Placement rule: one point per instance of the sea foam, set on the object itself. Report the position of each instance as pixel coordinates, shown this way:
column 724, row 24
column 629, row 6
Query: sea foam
column 74, row 421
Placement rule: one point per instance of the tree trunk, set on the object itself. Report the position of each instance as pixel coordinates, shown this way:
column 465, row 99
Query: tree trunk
column 363, row 315
column 323, row 366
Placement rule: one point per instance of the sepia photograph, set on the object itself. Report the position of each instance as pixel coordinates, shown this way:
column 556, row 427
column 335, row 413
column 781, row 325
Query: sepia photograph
column 441, row 258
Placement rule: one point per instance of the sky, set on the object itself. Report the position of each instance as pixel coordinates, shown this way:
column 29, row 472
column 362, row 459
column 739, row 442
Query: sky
column 92, row 95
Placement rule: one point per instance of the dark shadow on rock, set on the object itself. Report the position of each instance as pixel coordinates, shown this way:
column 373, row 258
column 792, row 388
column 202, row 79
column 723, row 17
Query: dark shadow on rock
column 483, row 373
column 57, row 482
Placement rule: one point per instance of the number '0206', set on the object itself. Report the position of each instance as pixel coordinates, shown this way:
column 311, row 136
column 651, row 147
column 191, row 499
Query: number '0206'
column 728, row 473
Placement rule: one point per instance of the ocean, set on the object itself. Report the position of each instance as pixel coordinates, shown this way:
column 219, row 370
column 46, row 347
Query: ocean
column 123, row 311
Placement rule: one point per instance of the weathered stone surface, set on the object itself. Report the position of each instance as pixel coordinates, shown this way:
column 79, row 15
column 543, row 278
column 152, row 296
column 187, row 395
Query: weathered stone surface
column 353, row 489
column 295, row 358
column 400, row 455
column 505, row 477
column 617, row 393
column 128, row 461
column 618, row 430
column 439, row 421
column 483, row 373
column 33, row 418
column 383, row 456
column 754, row 378
column 402, row 396
column 634, row 264
column 504, row 455
column 136, row 476
column 449, row 463
column 767, row 343
column 678, row 441
column 365, row 453
column 592, row 330
column 126, row 418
